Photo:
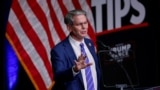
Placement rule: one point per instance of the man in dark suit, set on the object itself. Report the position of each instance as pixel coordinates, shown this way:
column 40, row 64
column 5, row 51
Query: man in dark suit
column 67, row 59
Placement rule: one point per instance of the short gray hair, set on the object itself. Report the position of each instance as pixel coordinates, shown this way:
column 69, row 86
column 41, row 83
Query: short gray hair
column 68, row 19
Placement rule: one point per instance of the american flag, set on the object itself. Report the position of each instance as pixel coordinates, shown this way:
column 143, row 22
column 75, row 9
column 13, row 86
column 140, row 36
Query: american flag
column 36, row 26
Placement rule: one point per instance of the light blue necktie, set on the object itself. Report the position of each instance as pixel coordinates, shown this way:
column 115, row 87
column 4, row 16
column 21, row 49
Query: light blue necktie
column 89, row 78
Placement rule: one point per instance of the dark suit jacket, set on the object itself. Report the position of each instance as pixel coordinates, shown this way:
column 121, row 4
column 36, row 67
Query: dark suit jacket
column 62, row 57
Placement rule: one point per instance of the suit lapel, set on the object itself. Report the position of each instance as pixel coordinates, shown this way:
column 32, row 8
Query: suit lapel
column 90, row 47
column 69, row 51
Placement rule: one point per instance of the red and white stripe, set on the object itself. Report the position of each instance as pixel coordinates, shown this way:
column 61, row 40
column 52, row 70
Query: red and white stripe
column 34, row 27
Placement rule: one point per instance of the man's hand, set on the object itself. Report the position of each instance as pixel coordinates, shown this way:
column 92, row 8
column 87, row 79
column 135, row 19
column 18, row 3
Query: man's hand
column 80, row 63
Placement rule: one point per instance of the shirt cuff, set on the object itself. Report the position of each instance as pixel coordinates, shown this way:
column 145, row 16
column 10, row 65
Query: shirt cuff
column 74, row 73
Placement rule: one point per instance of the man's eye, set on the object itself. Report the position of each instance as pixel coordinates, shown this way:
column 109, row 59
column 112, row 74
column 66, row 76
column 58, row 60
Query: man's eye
column 78, row 24
column 85, row 22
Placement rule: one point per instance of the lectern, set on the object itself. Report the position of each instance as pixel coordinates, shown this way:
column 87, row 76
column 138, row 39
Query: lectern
column 118, row 67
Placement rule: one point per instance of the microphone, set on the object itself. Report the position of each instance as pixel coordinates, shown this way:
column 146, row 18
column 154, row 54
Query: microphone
column 106, row 47
column 103, row 45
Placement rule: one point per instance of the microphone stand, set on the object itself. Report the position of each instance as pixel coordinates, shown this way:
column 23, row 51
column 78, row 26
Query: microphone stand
column 122, row 86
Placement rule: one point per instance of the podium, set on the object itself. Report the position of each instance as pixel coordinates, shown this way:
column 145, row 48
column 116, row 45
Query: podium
column 118, row 68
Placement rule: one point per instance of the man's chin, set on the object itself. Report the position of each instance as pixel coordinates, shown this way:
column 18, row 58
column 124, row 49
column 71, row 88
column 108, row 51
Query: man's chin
column 84, row 36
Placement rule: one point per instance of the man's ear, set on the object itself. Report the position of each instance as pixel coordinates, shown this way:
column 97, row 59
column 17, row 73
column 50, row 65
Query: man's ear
column 69, row 27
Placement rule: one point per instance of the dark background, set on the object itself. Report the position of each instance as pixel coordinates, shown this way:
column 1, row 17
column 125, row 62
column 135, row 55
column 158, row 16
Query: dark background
column 147, row 48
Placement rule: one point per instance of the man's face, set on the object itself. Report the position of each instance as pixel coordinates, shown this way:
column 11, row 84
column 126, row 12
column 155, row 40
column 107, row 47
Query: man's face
column 79, row 28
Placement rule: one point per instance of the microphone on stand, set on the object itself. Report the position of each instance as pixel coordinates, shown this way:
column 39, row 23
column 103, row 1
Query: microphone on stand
column 102, row 45
column 105, row 47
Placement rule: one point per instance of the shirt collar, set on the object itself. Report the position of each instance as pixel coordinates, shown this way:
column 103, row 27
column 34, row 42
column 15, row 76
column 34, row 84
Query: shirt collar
column 73, row 41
